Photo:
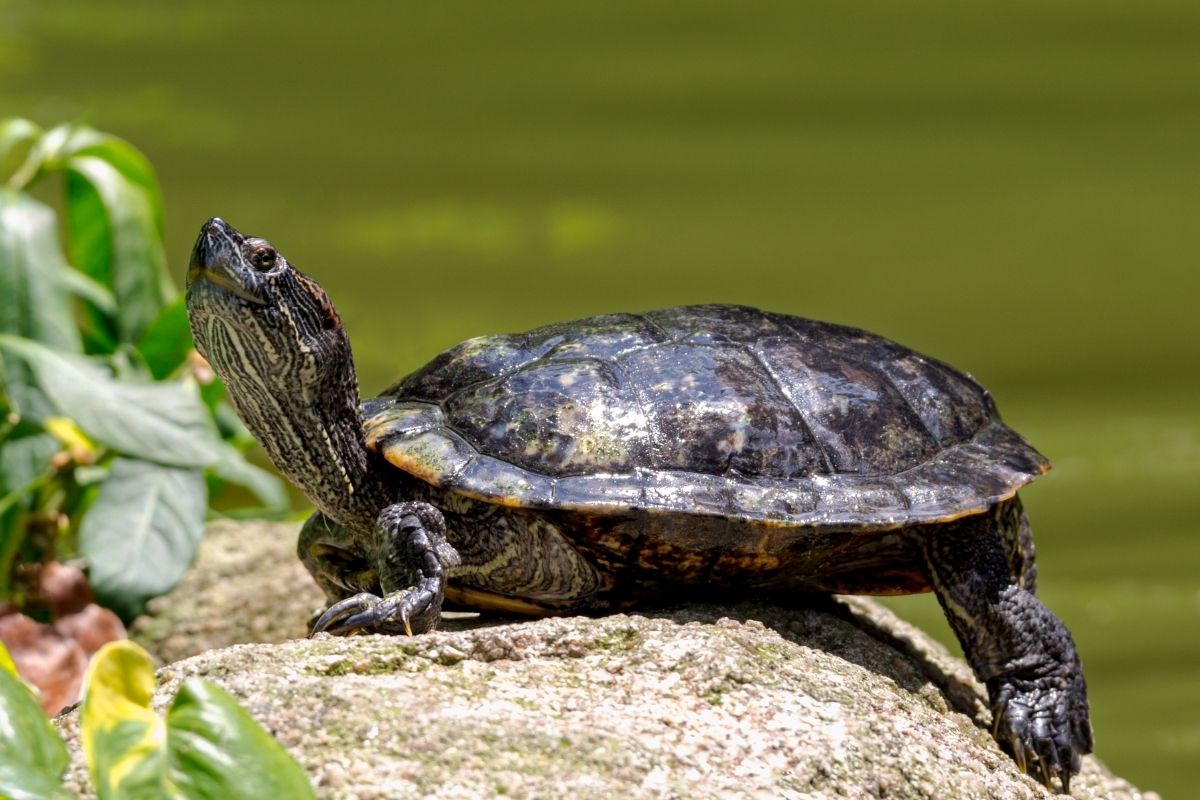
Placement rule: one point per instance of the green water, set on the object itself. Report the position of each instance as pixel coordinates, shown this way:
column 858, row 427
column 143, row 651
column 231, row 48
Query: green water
column 1014, row 189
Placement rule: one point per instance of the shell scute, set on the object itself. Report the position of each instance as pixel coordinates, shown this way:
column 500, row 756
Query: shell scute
column 497, row 481
column 604, row 490
column 707, row 494
column 717, row 322
column 565, row 417
column 853, row 500
column 712, row 412
column 607, row 337
column 467, row 363
column 951, row 405
column 775, row 501
column 435, row 456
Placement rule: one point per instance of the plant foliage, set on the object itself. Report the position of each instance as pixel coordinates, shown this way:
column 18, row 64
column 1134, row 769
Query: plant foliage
column 206, row 746
column 111, row 433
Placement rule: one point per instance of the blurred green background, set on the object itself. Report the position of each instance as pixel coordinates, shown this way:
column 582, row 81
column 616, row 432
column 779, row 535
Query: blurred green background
column 1012, row 188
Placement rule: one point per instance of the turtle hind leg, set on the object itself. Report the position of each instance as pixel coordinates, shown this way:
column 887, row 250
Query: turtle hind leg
column 1016, row 646
column 330, row 553
column 412, row 555
column 1017, row 535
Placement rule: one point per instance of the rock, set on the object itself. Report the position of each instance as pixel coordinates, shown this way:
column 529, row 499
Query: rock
column 840, row 699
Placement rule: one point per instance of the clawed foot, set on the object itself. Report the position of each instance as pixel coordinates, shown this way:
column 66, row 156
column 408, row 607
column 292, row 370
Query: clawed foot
column 413, row 555
column 1043, row 724
column 409, row 611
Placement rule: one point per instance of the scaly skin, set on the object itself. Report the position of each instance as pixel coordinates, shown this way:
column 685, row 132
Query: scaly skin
column 1018, row 647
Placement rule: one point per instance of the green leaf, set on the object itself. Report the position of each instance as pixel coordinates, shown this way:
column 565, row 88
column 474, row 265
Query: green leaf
column 167, row 340
column 123, row 739
column 33, row 282
column 115, row 226
column 164, row 422
column 90, row 244
column 114, row 223
column 15, row 131
column 24, row 458
column 44, row 156
column 137, row 265
column 126, row 158
column 142, row 531
column 233, row 467
column 91, row 290
column 14, row 134
column 24, row 471
column 35, row 275
column 218, row 750
column 32, row 757
column 25, row 402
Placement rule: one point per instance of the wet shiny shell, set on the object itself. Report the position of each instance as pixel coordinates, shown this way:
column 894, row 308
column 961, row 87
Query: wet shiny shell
column 715, row 410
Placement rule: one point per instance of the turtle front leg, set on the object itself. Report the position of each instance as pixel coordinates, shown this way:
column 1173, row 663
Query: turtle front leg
column 413, row 555
column 1017, row 647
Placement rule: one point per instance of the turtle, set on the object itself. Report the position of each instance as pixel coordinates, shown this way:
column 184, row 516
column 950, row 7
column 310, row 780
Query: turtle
column 629, row 460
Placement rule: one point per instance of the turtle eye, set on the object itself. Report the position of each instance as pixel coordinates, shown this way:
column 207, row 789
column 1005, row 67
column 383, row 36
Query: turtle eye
column 263, row 258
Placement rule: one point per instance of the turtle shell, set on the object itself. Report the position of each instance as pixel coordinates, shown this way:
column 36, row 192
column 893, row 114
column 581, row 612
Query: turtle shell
column 716, row 410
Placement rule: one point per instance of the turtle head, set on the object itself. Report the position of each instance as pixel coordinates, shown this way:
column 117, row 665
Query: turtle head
column 243, row 282
column 273, row 336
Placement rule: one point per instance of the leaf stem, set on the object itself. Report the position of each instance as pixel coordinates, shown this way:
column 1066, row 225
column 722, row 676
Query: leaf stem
column 10, row 539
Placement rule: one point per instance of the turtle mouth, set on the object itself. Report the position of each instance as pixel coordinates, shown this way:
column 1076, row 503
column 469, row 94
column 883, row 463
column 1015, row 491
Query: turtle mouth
column 215, row 260
column 221, row 281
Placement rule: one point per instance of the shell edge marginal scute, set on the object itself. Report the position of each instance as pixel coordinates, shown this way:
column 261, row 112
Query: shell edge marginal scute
column 820, row 500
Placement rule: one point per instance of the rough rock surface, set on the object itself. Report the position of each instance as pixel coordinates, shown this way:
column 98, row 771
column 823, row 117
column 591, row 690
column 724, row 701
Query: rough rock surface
column 838, row 699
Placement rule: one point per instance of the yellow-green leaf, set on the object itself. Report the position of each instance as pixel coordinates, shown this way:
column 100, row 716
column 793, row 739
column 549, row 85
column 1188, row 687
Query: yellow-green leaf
column 6, row 662
column 123, row 739
column 68, row 433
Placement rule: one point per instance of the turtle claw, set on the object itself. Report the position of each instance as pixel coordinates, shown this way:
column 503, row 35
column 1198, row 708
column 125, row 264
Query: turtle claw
column 346, row 616
column 408, row 611
column 1041, row 728
column 1018, row 753
column 414, row 555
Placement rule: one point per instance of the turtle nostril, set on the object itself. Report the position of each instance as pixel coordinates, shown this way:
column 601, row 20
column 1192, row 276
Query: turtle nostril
column 215, row 225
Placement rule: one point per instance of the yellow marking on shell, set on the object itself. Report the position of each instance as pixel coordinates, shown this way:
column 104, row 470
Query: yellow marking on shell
column 374, row 427
column 471, row 597
column 762, row 550
column 502, row 495
column 978, row 508
column 507, row 501
column 429, row 456
column 403, row 421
